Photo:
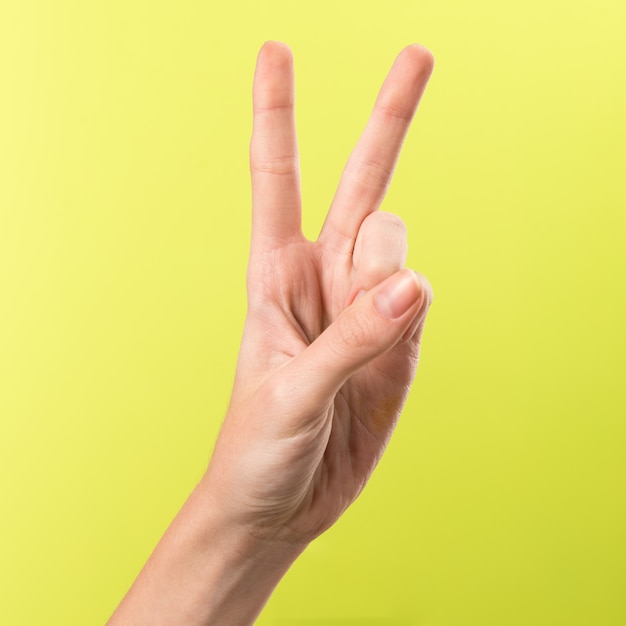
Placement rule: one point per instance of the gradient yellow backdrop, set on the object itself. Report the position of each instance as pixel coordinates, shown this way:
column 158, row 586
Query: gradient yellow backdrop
column 124, row 226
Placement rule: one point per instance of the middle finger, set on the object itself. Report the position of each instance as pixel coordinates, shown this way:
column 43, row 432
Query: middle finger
column 370, row 167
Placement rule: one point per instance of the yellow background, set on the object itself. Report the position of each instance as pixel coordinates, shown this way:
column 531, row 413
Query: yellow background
column 124, row 227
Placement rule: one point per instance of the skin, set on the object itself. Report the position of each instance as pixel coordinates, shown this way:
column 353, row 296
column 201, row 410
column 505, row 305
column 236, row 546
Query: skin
column 328, row 355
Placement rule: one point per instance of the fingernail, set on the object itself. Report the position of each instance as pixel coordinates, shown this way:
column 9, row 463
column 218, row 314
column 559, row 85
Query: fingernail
column 398, row 294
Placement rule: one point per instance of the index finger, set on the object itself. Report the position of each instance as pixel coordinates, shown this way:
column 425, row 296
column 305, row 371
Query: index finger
column 274, row 162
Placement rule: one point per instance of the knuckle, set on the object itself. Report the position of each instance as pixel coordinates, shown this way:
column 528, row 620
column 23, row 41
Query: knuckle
column 276, row 395
column 282, row 165
column 379, row 266
column 266, row 104
column 355, row 331
column 371, row 173
column 395, row 111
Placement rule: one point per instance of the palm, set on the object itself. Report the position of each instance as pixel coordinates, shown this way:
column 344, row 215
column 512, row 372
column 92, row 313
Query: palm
column 317, row 284
column 318, row 462
column 306, row 288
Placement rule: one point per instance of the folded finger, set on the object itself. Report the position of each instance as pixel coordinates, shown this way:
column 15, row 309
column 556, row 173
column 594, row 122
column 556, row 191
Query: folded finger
column 379, row 252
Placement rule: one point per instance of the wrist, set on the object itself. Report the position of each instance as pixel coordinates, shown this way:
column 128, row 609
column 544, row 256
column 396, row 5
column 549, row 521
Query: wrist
column 250, row 565
column 206, row 570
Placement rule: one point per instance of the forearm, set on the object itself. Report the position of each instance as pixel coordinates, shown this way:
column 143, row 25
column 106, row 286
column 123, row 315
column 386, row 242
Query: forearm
column 204, row 571
column 321, row 377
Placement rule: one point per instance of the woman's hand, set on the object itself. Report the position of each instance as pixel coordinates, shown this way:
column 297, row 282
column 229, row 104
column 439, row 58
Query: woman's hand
column 329, row 352
column 323, row 373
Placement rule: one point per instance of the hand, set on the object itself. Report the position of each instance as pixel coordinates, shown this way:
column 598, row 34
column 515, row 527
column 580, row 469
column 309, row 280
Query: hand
column 321, row 378
column 329, row 351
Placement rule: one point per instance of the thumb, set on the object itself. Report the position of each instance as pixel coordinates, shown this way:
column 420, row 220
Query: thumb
column 373, row 324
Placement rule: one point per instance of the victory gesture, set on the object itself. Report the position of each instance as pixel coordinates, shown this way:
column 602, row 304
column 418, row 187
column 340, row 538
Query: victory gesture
column 332, row 334
column 328, row 355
